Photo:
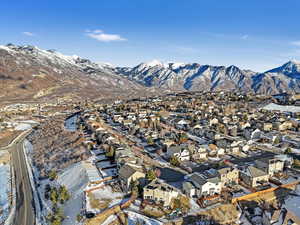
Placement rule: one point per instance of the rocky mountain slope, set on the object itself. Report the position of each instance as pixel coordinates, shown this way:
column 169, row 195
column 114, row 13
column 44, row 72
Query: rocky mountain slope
column 28, row 73
column 195, row 77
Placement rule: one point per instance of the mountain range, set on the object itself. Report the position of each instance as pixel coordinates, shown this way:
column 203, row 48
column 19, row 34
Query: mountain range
column 28, row 73
column 197, row 77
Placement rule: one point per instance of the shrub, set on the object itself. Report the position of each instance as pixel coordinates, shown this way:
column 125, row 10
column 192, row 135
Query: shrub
column 174, row 161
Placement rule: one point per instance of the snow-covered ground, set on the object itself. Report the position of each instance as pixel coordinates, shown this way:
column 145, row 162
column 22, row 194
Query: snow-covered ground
column 282, row 108
column 105, row 193
column 4, row 190
column 136, row 218
column 25, row 125
column 108, row 172
column 76, row 180
column 133, row 219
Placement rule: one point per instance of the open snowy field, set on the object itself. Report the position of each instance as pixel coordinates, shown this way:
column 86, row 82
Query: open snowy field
column 282, row 108
column 76, row 180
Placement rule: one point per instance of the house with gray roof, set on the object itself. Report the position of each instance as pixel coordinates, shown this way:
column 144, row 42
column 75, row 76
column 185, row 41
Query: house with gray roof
column 254, row 176
column 180, row 151
column 198, row 185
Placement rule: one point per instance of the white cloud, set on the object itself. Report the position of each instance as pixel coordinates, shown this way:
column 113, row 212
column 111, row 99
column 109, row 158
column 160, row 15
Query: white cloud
column 297, row 43
column 27, row 33
column 245, row 37
column 99, row 35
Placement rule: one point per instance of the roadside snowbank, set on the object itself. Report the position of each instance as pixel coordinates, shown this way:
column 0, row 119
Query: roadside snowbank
column 4, row 190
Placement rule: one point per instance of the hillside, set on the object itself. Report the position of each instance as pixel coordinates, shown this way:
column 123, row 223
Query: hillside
column 28, row 73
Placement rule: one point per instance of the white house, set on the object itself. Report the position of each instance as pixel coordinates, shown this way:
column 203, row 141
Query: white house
column 180, row 152
column 199, row 185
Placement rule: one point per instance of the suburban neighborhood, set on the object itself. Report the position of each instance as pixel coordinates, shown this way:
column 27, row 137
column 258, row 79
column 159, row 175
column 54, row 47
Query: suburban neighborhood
column 219, row 158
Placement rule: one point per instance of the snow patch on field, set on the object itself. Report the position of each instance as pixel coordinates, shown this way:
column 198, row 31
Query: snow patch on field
column 104, row 194
column 25, row 125
column 135, row 218
column 107, row 192
column 282, row 108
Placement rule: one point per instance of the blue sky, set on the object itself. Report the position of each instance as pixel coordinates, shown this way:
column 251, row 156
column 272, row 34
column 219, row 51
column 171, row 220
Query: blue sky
column 256, row 35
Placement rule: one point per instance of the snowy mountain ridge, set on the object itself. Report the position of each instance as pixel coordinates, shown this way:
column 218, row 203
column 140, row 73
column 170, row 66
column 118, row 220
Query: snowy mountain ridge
column 162, row 76
column 195, row 77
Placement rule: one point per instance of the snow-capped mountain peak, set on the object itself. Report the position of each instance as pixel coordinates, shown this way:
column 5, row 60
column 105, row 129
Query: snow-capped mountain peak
column 153, row 63
column 194, row 76
column 290, row 69
column 176, row 65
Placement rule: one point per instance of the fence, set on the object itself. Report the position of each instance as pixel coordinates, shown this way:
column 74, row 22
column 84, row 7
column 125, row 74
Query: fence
column 258, row 193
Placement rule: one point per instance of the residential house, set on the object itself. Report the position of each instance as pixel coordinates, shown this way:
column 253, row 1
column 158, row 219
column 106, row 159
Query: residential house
column 285, row 126
column 253, row 176
column 200, row 152
column 199, row 185
column 180, row 151
column 127, row 122
column 270, row 166
column 229, row 175
column 268, row 126
column 160, row 192
column 129, row 173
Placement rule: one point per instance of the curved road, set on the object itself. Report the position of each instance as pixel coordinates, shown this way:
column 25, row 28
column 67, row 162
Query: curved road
column 25, row 213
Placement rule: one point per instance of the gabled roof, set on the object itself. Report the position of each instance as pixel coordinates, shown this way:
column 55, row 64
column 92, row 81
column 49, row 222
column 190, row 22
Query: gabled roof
column 160, row 185
column 127, row 171
column 197, row 180
column 255, row 172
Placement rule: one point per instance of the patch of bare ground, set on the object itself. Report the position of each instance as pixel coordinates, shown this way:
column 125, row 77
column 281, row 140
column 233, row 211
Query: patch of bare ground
column 56, row 148
column 7, row 136
column 222, row 214
column 98, row 203
column 4, row 157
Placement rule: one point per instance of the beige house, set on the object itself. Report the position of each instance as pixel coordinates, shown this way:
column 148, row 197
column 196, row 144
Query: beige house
column 285, row 125
column 254, row 177
column 213, row 121
column 270, row 166
column 200, row 153
column 160, row 192
column 268, row 126
column 228, row 175
column 129, row 174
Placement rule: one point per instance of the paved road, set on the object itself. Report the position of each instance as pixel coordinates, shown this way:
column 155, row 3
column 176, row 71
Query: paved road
column 25, row 214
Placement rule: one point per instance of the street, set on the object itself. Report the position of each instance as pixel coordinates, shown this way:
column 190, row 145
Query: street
column 25, row 214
